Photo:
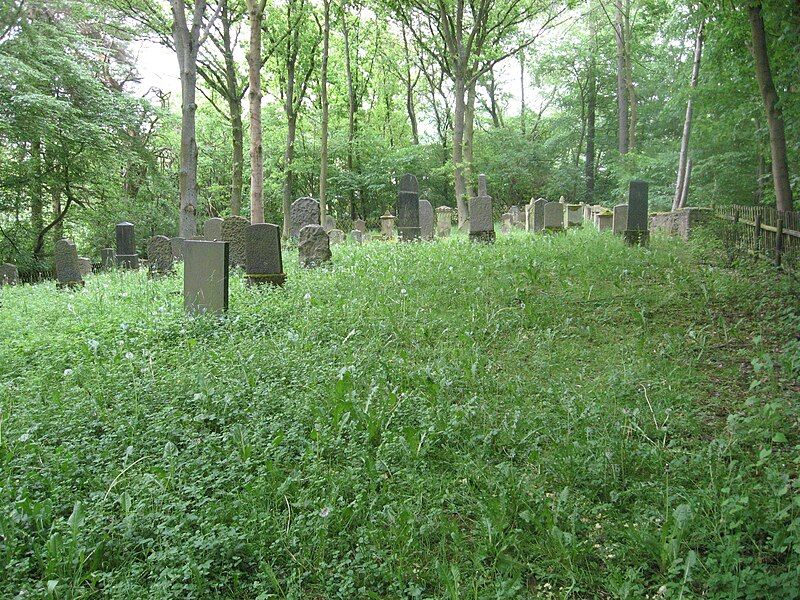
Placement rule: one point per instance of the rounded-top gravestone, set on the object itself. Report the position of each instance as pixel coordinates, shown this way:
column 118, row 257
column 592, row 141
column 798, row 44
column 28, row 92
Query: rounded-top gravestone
column 304, row 211
column 67, row 264
column 314, row 246
column 212, row 229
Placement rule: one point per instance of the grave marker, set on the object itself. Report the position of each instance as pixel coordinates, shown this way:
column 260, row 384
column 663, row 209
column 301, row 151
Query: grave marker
column 481, row 223
column 426, row 220
column 336, row 236
column 314, row 246
column 177, row 247
column 9, row 275
column 159, row 256
column 304, row 211
column 205, row 277
column 444, row 221
column 387, row 226
column 233, row 229
column 620, row 219
column 264, row 262
column 127, row 257
column 212, row 229
column 68, row 272
column 553, row 217
column 408, row 209
column 108, row 259
column 637, row 228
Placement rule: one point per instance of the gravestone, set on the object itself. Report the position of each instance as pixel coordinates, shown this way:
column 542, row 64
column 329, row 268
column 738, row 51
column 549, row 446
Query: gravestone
column 127, row 257
column 553, row 217
column 357, row 236
column 574, row 215
column 605, row 220
column 336, row 236
column 84, row 266
column 408, row 209
column 9, row 275
column 517, row 217
column 537, row 222
column 304, row 211
column 444, row 221
column 426, row 220
column 620, row 219
column 506, row 222
column 108, row 258
column 177, row 247
column 264, row 262
column 314, row 246
column 587, row 212
column 387, row 226
column 481, row 224
column 637, row 229
column 233, row 229
column 562, row 200
column 212, row 229
column 159, row 256
column 360, row 225
column 205, row 277
column 329, row 224
column 68, row 273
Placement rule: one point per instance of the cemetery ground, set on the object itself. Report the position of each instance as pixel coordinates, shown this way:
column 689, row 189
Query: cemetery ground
column 555, row 416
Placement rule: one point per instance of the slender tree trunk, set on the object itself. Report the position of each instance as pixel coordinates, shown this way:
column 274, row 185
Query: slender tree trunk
column 412, row 113
column 255, row 9
column 469, row 134
column 58, row 228
column 458, row 148
column 622, row 86
column 351, row 111
column 591, row 111
column 323, row 93
column 522, row 91
column 777, row 135
column 633, row 103
column 288, row 176
column 37, row 205
column 494, row 107
column 687, row 122
column 187, row 178
column 761, row 169
column 235, row 112
column 686, row 181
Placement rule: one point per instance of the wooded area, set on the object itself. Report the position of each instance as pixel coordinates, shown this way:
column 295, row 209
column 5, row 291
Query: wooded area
column 701, row 100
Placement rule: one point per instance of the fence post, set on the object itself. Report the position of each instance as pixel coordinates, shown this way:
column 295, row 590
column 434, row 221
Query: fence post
column 779, row 240
column 757, row 234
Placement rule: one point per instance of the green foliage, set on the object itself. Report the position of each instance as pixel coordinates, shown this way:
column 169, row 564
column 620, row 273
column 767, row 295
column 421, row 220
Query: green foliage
column 444, row 420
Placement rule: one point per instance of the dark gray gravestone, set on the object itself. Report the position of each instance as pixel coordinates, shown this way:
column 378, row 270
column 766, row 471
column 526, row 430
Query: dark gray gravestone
column 408, row 209
column 554, row 216
column 304, row 211
column 620, row 219
column 212, row 229
column 108, row 258
column 426, row 220
column 637, row 228
column 127, row 257
column 357, row 236
column 68, row 270
column 314, row 246
column 159, row 256
column 8, row 274
column 336, row 236
column 205, row 277
column 264, row 262
column 233, row 229
column 85, row 266
column 482, row 189
column 537, row 222
column 177, row 247
column 444, row 221
column 360, row 225
column 481, row 223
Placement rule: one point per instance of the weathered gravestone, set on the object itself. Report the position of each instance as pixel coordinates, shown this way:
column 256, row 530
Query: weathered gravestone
column 336, row 236
column 537, row 222
column 426, row 220
column 68, row 271
column 574, row 215
column 506, row 222
column 127, row 257
column 205, row 277
column 8, row 274
column 360, row 225
column 212, row 229
column 387, row 226
column 553, row 217
column 444, row 221
column 233, row 229
column 620, row 219
column 329, row 223
column 108, row 258
column 481, row 224
column 177, row 247
column 408, row 209
column 587, row 212
column 159, row 256
column 357, row 236
column 85, row 266
column 605, row 220
column 264, row 262
column 304, row 211
column 637, row 232
column 517, row 217
column 314, row 246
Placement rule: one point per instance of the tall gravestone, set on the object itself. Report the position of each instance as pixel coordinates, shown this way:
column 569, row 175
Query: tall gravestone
column 426, row 220
column 360, row 225
column 408, row 209
column 177, row 247
column 233, row 229
column 506, row 222
column 537, row 222
column 85, row 266
column 573, row 215
column 127, row 258
column 212, row 229
column 329, row 223
column 620, row 219
column 387, row 226
column 68, row 271
column 587, row 212
column 159, row 256
column 108, row 258
column 553, row 217
column 205, row 277
column 481, row 222
column 637, row 232
column 314, row 246
column 304, row 211
column 444, row 221
column 264, row 262
column 9, row 275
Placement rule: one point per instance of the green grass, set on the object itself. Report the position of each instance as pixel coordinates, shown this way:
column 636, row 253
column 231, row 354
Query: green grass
column 544, row 417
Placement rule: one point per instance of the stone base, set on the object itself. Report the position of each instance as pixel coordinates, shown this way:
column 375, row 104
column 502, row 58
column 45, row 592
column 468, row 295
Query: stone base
column 409, row 234
column 128, row 261
column 634, row 237
column 70, row 285
column 268, row 278
column 484, row 237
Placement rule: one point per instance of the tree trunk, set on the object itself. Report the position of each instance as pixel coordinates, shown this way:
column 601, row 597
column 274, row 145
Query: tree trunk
column 622, row 86
column 235, row 111
column 187, row 178
column 323, row 93
column 522, row 91
column 633, row 104
column 255, row 9
column 291, row 133
column 412, row 113
column 687, row 122
column 686, row 181
column 777, row 135
column 58, row 228
column 469, row 134
column 351, row 112
column 37, row 205
column 591, row 110
column 458, row 148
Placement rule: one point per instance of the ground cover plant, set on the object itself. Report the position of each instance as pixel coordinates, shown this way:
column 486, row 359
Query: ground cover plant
column 557, row 416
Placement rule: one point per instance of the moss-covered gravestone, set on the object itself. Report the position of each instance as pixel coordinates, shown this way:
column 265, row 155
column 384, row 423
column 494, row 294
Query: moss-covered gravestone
column 205, row 277
column 553, row 217
column 444, row 221
column 233, row 229
column 160, row 262
column 304, row 211
column 68, row 271
column 314, row 246
column 212, row 229
column 620, row 219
